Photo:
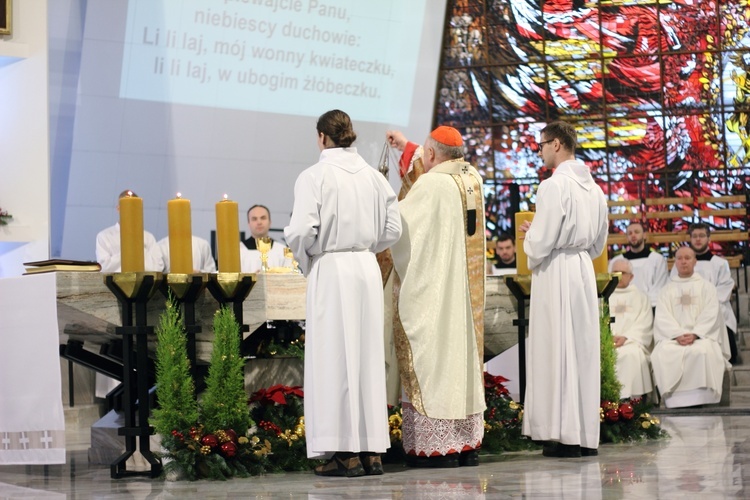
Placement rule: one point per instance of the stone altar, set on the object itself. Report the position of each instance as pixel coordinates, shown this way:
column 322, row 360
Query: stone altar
column 88, row 312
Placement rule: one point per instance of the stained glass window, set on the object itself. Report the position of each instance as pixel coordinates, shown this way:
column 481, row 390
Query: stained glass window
column 658, row 91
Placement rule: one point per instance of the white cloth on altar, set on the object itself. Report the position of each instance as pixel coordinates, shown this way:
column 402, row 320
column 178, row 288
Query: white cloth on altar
column 344, row 212
column 634, row 320
column 250, row 261
column 32, row 423
column 203, row 261
column 109, row 256
column 502, row 271
column 568, row 231
column 689, row 305
column 716, row 271
column 649, row 274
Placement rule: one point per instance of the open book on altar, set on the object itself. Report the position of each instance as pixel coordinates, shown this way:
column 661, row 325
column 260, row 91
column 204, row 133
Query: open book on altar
column 46, row 266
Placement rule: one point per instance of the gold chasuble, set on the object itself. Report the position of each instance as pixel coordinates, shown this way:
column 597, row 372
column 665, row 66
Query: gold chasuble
column 439, row 292
column 385, row 260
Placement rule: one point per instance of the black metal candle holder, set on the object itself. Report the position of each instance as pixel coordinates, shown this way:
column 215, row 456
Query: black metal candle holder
column 133, row 291
column 232, row 288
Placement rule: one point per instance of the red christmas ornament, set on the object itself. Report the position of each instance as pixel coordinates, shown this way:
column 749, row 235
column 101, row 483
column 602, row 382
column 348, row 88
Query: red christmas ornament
column 210, row 440
column 228, row 449
column 626, row 411
column 231, row 435
column 612, row 416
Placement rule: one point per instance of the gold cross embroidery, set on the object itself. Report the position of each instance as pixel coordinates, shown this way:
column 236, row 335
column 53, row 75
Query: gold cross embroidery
column 686, row 299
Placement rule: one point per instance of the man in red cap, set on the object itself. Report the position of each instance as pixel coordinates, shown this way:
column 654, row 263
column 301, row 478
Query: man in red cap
column 439, row 301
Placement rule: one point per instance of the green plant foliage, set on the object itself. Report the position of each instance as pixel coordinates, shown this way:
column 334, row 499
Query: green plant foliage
column 175, row 388
column 610, row 386
column 224, row 403
column 294, row 349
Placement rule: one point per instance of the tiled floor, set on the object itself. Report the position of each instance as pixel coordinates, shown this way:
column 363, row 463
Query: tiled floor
column 706, row 457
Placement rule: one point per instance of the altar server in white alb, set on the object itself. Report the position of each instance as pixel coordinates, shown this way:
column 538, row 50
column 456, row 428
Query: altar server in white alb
column 568, row 231
column 108, row 253
column 715, row 270
column 203, row 261
column 690, row 354
column 649, row 267
column 632, row 333
column 344, row 212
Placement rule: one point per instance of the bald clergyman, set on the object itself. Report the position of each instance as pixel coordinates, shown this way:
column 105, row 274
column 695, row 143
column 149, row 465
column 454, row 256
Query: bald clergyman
column 691, row 352
column 632, row 332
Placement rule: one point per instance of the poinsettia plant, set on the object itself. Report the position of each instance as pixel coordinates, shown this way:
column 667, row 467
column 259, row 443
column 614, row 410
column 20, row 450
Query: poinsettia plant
column 279, row 413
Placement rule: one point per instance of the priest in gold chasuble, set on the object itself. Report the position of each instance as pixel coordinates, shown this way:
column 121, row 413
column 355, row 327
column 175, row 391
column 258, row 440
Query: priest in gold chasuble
column 439, row 305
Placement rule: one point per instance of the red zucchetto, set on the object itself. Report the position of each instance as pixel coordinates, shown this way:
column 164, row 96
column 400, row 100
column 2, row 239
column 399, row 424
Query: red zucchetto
column 448, row 136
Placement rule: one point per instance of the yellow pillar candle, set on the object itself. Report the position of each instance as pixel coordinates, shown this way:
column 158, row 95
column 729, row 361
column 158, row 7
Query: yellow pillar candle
column 601, row 263
column 131, row 234
column 522, row 263
column 228, row 235
column 180, row 236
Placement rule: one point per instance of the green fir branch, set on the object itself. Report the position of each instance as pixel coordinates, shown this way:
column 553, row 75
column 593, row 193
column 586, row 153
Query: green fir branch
column 224, row 403
column 175, row 388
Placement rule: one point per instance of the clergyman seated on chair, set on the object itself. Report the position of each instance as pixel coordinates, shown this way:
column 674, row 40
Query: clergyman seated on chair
column 691, row 352
column 632, row 333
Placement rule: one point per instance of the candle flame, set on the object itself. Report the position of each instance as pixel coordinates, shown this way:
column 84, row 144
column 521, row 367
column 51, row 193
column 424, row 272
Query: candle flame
column 130, row 193
column 226, row 197
column 179, row 195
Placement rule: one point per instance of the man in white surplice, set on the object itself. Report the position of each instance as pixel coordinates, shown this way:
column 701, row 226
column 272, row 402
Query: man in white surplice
column 690, row 354
column 632, row 333
column 715, row 270
column 344, row 211
column 568, row 231
column 649, row 266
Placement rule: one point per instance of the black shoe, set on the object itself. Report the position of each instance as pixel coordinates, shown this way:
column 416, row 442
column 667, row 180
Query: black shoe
column 440, row 462
column 560, row 450
column 589, row 452
column 372, row 463
column 468, row 458
column 343, row 464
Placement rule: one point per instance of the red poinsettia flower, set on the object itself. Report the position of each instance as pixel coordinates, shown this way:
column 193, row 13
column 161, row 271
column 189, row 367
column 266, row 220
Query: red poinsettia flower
column 493, row 380
column 276, row 394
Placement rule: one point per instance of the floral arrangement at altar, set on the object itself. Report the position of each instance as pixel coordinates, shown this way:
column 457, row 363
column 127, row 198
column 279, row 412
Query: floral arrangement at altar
column 502, row 418
column 279, row 413
column 228, row 435
column 217, row 438
column 210, row 439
